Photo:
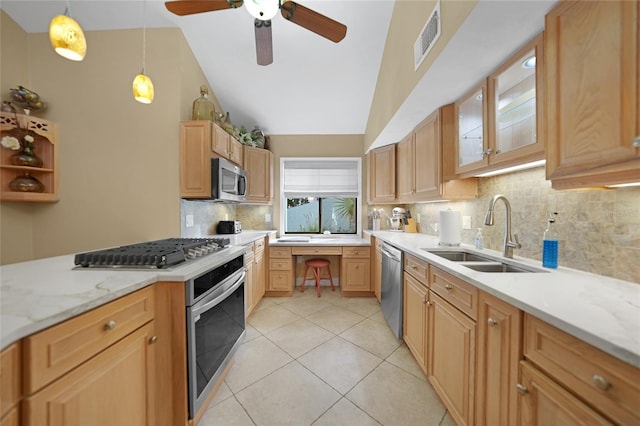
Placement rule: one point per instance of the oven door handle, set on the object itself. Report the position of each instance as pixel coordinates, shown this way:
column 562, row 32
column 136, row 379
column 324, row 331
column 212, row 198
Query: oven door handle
column 204, row 305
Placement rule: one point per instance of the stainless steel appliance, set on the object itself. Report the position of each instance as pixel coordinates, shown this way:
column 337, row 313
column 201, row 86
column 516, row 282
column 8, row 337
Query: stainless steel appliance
column 151, row 254
column 229, row 227
column 391, row 294
column 215, row 326
column 228, row 181
column 398, row 219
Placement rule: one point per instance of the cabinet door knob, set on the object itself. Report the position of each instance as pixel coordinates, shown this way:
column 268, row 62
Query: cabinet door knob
column 448, row 287
column 110, row 325
column 486, row 152
column 153, row 339
column 522, row 389
column 600, row 382
column 636, row 142
column 492, row 322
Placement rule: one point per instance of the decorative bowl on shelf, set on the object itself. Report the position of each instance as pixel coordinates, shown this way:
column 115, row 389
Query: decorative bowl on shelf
column 26, row 183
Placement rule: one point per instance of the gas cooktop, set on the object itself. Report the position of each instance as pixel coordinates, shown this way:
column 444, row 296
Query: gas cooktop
column 152, row 254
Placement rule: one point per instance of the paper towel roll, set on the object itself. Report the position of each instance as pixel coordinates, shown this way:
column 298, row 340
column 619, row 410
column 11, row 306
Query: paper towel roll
column 450, row 227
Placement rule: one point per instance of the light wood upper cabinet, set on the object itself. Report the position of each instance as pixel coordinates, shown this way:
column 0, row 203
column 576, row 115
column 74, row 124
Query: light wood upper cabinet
column 258, row 164
column 382, row 175
column 195, row 159
column 592, row 93
column 225, row 145
column 515, row 106
column 419, row 159
column 471, row 132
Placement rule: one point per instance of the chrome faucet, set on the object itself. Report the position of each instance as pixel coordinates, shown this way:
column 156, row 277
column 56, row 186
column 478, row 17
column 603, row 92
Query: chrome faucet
column 510, row 242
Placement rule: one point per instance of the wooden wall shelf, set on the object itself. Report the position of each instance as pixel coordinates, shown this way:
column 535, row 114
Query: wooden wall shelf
column 46, row 149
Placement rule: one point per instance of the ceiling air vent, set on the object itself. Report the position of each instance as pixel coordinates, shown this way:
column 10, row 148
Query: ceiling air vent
column 428, row 36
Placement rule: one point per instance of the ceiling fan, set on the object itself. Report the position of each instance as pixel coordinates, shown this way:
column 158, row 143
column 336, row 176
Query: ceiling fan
column 263, row 11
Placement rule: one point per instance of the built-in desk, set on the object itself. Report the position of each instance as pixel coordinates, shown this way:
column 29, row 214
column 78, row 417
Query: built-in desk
column 350, row 265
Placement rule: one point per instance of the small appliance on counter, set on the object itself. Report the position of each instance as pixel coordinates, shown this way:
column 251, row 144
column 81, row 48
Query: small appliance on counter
column 229, row 227
column 398, row 219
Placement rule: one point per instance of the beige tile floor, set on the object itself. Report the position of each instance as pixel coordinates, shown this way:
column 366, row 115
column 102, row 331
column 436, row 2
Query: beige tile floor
column 323, row 361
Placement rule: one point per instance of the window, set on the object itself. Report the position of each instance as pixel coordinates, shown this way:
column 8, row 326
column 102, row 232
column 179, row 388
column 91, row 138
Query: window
column 319, row 195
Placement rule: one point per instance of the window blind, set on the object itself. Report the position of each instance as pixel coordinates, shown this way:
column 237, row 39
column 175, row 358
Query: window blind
column 326, row 177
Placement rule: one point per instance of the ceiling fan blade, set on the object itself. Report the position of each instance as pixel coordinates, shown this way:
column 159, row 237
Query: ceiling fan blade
column 264, row 45
column 189, row 7
column 313, row 21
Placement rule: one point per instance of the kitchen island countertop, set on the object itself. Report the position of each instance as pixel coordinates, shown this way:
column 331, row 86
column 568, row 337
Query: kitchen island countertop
column 40, row 293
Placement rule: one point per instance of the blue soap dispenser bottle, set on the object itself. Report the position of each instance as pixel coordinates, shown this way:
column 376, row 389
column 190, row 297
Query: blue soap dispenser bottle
column 550, row 243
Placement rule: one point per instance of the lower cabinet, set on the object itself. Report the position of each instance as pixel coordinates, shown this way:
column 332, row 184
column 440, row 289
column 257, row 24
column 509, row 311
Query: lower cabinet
column 10, row 385
column 99, row 368
column 544, row 403
column 259, row 271
column 376, row 270
column 578, row 381
column 415, row 319
column 249, row 281
column 280, row 271
column 452, row 358
column 355, row 271
column 116, row 387
column 499, row 353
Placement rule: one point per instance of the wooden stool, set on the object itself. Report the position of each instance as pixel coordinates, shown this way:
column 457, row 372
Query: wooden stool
column 316, row 265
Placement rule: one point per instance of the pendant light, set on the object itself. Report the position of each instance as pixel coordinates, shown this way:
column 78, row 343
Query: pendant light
column 67, row 37
column 142, row 84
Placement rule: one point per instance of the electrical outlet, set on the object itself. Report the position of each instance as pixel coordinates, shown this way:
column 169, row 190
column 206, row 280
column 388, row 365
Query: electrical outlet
column 418, row 218
column 267, row 218
column 466, row 222
column 188, row 220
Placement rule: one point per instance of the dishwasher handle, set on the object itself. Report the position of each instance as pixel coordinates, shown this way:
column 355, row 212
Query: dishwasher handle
column 390, row 254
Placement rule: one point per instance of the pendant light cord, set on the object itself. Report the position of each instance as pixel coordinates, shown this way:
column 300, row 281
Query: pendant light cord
column 144, row 33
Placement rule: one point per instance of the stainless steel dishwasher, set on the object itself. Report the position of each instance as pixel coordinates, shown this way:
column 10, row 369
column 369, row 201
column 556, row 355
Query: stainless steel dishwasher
column 391, row 296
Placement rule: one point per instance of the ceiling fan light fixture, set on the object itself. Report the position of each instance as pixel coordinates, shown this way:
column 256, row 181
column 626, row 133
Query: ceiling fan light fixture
column 263, row 9
column 67, row 37
column 143, row 88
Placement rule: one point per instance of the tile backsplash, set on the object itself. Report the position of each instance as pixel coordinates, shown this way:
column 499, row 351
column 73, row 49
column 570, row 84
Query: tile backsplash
column 206, row 216
column 599, row 230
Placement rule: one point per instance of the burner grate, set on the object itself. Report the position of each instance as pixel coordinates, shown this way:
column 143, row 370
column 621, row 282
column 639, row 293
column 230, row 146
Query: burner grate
column 152, row 254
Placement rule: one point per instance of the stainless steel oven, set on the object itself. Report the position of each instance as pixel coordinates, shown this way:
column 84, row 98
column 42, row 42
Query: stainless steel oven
column 215, row 326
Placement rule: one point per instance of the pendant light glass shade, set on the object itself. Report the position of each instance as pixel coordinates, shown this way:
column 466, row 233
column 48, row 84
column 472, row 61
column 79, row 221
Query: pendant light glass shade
column 262, row 9
column 67, row 37
column 143, row 88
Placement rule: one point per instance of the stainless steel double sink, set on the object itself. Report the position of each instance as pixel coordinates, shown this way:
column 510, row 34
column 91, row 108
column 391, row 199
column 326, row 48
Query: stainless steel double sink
column 482, row 263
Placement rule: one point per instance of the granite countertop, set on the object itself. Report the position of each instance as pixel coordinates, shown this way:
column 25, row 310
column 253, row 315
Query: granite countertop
column 37, row 294
column 602, row 311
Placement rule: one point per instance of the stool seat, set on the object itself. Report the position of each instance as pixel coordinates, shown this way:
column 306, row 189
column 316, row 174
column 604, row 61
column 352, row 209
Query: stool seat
column 316, row 264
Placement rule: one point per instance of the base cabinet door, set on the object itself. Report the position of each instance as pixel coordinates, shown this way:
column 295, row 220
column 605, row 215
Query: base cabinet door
column 116, row 387
column 377, row 269
column 258, row 277
column 544, row 403
column 452, row 358
column 499, row 353
column 249, row 282
column 416, row 299
column 356, row 275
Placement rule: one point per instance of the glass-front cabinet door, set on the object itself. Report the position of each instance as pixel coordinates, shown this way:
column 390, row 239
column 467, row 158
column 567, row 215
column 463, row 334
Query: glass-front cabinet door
column 472, row 144
column 515, row 108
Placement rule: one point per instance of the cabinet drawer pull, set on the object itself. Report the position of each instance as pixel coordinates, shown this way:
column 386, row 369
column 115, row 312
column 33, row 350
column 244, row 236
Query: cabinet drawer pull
column 110, row 325
column 357, row 266
column 355, row 252
column 492, row 322
column 522, row 389
column 153, row 339
column 448, row 286
column 600, row 382
column 415, row 268
column 636, row 142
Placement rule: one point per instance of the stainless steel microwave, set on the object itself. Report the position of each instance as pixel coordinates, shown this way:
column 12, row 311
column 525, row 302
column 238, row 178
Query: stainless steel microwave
column 228, row 181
